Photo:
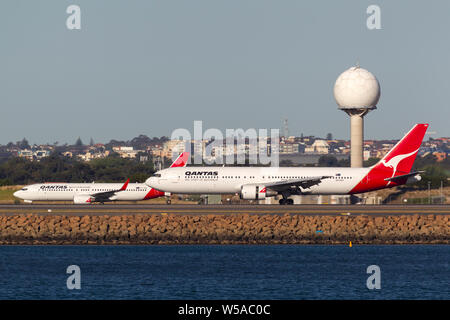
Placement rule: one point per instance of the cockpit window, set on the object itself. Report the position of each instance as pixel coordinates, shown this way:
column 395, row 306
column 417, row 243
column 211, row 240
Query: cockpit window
column 157, row 175
column 24, row 189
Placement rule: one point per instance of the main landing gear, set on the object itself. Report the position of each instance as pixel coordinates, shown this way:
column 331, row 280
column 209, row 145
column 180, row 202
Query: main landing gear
column 284, row 201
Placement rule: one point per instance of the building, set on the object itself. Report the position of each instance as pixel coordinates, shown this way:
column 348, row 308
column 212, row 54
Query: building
column 33, row 154
column 319, row 146
column 173, row 146
column 127, row 152
column 90, row 155
column 288, row 147
column 440, row 156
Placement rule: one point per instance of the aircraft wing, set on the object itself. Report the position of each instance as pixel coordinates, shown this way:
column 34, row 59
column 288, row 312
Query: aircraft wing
column 107, row 194
column 288, row 184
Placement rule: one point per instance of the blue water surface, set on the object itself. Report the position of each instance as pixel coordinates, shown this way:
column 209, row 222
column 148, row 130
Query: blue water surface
column 225, row 272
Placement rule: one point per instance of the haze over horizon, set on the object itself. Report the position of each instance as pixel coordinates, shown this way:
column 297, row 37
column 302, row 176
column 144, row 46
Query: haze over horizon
column 149, row 67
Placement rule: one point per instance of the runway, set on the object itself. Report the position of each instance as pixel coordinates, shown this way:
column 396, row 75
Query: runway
column 129, row 209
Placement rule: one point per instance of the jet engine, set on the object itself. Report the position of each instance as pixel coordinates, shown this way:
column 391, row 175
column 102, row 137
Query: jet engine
column 414, row 179
column 253, row 192
column 82, row 199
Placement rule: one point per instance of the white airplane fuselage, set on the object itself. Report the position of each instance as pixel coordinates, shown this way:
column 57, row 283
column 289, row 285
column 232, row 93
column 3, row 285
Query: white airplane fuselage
column 220, row 180
column 72, row 191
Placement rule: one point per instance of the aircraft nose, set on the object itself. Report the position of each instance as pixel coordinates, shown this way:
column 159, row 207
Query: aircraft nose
column 17, row 194
column 149, row 181
column 152, row 182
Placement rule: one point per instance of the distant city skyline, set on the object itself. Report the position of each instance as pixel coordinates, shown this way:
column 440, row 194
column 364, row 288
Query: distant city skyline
column 150, row 67
column 307, row 137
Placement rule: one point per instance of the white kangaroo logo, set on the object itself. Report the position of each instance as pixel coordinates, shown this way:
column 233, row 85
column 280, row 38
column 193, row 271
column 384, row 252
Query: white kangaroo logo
column 394, row 162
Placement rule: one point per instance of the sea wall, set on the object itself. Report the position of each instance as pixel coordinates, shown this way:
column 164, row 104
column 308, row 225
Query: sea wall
column 223, row 229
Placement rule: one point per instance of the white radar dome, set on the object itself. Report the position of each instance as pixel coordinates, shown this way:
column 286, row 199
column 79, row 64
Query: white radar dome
column 356, row 88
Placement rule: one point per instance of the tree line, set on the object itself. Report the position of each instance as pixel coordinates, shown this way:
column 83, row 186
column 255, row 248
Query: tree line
column 57, row 168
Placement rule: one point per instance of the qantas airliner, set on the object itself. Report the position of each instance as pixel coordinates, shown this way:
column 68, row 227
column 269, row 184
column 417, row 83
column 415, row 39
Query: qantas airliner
column 85, row 193
column 254, row 183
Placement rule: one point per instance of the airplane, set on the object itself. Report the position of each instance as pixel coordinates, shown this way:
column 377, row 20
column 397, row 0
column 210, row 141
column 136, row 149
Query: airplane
column 87, row 193
column 257, row 183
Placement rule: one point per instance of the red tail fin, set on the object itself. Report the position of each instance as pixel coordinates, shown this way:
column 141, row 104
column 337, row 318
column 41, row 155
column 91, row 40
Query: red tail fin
column 124, row 187
column 181, row 161
column 396, row 162
column 401, row 157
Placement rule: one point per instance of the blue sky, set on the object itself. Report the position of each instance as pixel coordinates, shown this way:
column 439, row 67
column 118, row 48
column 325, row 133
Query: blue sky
column 149, row 67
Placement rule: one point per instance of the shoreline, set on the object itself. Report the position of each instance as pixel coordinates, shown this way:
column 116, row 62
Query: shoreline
column 232, row 229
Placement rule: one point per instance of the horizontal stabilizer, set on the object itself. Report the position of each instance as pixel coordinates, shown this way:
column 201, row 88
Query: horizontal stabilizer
column 403, row 176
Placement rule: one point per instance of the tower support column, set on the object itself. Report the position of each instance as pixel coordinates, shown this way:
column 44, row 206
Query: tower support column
column 356, row 140
column 356, row 135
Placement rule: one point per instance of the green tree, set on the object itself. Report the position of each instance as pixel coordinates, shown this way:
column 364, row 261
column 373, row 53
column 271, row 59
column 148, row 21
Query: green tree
column 327, row 161
column 344, row 162
column 434, row 174
column 58, row 168
column 78, row 143
column 23, row 144
column 370, row 162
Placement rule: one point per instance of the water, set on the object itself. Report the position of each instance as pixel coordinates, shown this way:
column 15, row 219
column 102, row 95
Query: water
column 225, row 272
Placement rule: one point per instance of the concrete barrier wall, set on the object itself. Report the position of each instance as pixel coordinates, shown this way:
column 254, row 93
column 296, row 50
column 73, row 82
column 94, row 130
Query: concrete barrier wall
column 223, row 229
